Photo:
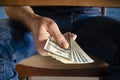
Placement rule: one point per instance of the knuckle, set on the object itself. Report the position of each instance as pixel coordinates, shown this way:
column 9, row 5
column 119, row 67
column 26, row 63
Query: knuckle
column 52, row 24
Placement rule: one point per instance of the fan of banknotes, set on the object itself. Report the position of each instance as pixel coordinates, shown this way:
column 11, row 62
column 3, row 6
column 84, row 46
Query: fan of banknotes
column 72, row 55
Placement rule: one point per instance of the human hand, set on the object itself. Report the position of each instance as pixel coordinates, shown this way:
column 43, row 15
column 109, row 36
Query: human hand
column 42, row 28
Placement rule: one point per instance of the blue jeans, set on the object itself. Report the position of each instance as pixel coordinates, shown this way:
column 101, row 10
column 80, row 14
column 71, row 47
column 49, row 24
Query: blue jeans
column 98, row 36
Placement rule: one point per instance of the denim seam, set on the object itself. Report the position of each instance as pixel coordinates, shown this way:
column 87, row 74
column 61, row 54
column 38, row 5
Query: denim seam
column 3, row 68
column 5, row 43
column 3, row 61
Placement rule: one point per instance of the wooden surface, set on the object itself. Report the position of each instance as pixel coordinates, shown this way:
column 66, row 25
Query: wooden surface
column 102, row 3
column 47, row 66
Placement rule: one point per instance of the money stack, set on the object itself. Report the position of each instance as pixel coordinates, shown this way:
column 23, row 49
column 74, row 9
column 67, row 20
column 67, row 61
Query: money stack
column 72, row 55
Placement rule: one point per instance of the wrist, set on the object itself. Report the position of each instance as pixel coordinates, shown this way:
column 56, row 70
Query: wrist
column 31, row 21
column 34, row 22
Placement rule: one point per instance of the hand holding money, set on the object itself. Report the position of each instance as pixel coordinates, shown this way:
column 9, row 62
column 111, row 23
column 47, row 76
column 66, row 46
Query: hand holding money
column 73, row 54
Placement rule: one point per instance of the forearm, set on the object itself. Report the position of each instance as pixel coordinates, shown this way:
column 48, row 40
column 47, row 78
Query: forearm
column 41, row 27
column 23, row 14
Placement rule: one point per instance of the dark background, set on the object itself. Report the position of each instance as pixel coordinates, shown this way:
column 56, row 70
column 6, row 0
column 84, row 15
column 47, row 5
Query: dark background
column 112, row 12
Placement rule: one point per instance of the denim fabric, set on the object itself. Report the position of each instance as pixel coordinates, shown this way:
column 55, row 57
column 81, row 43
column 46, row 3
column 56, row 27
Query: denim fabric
column 16, row 44
column 98, row 36
column 65, row 10
column 68, row 23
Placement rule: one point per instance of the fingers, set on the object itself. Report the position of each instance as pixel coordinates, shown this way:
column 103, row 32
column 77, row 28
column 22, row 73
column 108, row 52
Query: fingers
column 74, row 36
column 46, row 28
column 40, row 50
column 55, row 32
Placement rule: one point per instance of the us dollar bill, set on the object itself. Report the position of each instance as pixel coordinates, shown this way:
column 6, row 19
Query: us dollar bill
column 72, row 55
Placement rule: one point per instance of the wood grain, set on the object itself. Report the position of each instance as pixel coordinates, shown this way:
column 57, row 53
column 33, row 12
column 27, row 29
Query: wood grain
column 101, row 3
column 47, row 66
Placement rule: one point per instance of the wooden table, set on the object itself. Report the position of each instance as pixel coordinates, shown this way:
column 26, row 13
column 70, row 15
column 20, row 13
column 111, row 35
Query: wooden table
column 101, row 3
column 47, row 66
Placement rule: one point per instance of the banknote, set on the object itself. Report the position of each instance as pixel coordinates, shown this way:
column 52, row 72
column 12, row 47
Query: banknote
column 72, row 55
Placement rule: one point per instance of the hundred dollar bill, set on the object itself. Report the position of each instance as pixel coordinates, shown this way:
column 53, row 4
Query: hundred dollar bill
column 74, row 54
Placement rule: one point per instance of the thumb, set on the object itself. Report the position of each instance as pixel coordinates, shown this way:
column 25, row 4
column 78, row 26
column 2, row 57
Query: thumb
column 55, row 32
